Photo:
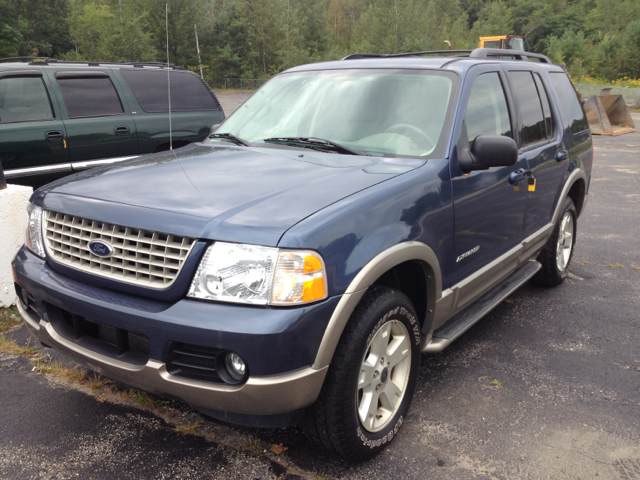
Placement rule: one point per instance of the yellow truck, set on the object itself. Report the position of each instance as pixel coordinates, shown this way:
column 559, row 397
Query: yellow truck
column 507, row 42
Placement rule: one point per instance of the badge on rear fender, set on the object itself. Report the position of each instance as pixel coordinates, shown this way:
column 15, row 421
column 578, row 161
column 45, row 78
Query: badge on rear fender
column 100, row 248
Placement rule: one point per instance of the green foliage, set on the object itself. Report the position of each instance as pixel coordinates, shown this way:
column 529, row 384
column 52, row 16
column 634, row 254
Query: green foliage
column 258, row 38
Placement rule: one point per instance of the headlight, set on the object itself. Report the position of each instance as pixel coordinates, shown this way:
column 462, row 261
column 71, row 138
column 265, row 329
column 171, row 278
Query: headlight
column 257, row 275
column 33, row 235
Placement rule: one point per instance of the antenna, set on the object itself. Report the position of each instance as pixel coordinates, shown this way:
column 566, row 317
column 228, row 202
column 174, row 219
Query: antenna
column 166, row 16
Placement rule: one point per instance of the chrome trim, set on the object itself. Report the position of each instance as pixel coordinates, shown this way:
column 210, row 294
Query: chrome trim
column 268, row 395
column 366, row 277
column 139, row 257
column 103, row 161
column 24, row 172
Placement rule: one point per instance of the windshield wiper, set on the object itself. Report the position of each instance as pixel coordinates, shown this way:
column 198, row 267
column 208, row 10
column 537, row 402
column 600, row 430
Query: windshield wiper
column 316, row 143
column 231, row 137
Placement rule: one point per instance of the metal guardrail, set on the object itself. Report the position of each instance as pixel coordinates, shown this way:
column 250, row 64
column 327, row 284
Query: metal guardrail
column 235, row 83
column 631, row 95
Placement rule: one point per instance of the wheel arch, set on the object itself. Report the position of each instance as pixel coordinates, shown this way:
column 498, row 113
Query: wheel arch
column 414, row 257
column 576, row 188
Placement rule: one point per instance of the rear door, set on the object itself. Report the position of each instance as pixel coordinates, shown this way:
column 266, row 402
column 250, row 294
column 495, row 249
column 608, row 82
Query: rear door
column 194, row 108
column 100, row 129
column 32, row 136
column 540, row 143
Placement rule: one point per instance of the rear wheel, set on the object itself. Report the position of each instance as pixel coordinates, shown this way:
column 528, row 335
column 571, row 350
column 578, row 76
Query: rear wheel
column 555, row 257
column 370, row 382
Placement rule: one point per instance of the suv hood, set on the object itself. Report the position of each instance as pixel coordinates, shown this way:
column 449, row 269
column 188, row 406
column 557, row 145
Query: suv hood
column 228, row 193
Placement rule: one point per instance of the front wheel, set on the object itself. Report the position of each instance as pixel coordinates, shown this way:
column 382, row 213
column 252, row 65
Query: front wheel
column 370, row 383
column 556, row 255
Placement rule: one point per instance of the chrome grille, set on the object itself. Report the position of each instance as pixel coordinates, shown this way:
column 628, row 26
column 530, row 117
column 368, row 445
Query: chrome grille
column 141, row 257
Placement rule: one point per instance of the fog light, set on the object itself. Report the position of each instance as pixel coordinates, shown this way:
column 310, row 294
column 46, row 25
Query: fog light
column 235, row 366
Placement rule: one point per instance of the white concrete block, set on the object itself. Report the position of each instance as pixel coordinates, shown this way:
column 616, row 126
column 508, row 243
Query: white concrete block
column 13, row 221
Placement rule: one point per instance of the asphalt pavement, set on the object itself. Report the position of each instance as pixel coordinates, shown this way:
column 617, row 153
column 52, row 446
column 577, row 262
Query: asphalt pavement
column 547, row 386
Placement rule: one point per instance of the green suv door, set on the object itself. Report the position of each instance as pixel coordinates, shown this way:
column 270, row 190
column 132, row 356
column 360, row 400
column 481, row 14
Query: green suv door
column 99, row 125
column 32, row 134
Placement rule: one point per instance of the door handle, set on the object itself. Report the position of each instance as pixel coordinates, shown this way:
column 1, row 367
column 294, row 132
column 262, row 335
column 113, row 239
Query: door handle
column 562, row 155
column 54, row 135
column 122, row 130
column 517, row 176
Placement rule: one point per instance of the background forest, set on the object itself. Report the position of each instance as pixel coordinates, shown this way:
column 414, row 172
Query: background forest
column 258, row 38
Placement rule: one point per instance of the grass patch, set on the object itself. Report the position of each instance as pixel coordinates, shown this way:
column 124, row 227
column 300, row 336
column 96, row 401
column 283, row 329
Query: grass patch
column 9, row 318
column 189, row 428
column 97, row 382
column 254, row 444
column 56, row 369
column 10, row 346
column 142, row 398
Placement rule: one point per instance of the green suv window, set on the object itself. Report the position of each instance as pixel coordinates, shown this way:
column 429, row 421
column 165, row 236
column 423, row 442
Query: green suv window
column 90, row 97
column 23, row 99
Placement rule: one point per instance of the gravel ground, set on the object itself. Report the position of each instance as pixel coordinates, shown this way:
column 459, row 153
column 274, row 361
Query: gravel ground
column 566, row 404
column 232, row 99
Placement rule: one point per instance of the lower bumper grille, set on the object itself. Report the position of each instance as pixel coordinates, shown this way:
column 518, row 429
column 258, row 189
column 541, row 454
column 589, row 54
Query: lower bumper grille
column 193, row 361
column 113, row 342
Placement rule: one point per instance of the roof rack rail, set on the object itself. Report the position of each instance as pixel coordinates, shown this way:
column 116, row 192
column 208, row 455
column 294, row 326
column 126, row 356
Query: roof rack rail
column 48, row 60
column 476, row 53
column 358, row 56
column 9, row 59
column 516, row 54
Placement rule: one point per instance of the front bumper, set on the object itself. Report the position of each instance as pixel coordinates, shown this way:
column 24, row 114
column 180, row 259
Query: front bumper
column 266, row 338
column 258, row 396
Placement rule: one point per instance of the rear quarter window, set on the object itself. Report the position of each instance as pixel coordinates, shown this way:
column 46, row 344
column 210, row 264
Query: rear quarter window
column 569, row 102
column 151, row 88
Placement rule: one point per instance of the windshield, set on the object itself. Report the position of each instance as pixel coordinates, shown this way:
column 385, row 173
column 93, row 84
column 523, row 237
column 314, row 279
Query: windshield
column 379, row 112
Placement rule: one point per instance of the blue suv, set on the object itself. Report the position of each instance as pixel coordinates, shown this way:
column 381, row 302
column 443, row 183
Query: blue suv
column 350, row 216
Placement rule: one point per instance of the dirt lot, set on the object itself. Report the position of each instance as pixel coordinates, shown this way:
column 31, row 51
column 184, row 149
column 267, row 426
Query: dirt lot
column 546, row 386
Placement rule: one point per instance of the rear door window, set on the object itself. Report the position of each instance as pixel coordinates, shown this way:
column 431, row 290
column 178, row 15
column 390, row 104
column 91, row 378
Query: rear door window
column 546, row 106
column 91, row 96
column 532, row 120
column 151, row 88
column 487, row 112
column 24, row 99
column 569, row 101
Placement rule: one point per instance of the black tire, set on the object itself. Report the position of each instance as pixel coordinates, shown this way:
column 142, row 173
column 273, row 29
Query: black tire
column 333, row 421
column 552, row 274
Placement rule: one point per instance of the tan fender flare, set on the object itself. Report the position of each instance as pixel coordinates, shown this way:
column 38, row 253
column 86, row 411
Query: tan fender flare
column 383, row 262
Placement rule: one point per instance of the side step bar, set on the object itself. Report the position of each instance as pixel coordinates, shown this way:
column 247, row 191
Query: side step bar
column 461, row 322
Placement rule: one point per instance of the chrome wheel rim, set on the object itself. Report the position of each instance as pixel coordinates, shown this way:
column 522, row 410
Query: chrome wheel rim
column 565, row 241
column 384, row 375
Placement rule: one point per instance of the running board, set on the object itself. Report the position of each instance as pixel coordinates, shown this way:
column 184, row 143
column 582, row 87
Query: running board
column 461, row 322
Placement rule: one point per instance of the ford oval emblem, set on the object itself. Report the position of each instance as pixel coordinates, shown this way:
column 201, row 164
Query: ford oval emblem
column 100, row 248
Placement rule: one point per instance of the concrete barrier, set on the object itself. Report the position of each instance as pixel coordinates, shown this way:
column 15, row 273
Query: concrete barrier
column 13, row 221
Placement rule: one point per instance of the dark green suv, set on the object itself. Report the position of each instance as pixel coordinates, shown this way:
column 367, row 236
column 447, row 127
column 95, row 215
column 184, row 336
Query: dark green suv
column 58, row 118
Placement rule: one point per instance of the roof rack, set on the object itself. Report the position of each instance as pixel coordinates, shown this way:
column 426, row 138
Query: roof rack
column 477, row 53
column 49, row 60
column 9, row 59
column 516, row 54
column 358, row 56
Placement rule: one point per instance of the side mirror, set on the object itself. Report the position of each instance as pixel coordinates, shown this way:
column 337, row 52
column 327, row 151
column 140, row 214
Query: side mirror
column 488, row 151
column 214, row 128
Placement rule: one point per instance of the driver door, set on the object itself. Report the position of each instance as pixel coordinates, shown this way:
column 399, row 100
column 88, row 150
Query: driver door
column 489, row 210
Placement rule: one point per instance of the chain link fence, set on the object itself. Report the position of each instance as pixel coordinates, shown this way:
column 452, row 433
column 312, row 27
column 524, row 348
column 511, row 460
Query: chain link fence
column 631, row 95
